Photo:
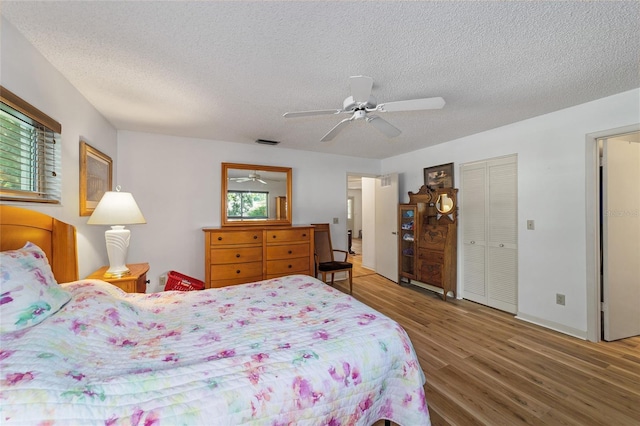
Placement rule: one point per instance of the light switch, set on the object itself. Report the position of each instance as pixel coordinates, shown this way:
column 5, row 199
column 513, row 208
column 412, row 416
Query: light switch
column 335, row 220
column 531, row 225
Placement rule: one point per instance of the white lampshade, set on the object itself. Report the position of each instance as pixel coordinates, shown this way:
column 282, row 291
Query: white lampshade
column 117, row 209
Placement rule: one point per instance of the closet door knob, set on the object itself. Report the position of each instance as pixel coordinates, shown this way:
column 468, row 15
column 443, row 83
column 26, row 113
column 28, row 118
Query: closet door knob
column 501, row 245
column 473, row 242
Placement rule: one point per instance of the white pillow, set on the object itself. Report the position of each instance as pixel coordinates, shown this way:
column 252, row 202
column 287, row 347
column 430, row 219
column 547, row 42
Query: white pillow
column 28, row 291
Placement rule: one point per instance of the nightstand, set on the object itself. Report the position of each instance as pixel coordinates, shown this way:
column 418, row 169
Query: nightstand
column 135, row 282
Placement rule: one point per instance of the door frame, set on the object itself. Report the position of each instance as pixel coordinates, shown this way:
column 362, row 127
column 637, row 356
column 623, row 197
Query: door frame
column 592, row 217
column 368, row 235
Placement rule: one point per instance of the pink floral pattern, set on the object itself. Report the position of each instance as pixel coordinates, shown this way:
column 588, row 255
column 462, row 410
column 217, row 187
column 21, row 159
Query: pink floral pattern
column 284, row 351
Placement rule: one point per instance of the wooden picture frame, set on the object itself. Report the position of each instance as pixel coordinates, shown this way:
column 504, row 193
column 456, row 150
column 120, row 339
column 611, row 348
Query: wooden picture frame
column 439, row 176
column 96, row 177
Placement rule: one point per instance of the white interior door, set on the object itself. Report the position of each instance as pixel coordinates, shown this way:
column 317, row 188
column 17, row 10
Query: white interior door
column 502, row 234
column 474, row 240
column 621, row 238
column 387, row 199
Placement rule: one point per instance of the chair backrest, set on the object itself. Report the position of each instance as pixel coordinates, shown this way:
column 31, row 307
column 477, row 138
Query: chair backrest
column 322, row 239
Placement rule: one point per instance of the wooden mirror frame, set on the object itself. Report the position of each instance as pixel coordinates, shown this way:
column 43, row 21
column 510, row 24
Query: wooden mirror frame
column 254, row 168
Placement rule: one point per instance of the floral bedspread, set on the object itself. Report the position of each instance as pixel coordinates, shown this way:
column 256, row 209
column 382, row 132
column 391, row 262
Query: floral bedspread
column 285, row 351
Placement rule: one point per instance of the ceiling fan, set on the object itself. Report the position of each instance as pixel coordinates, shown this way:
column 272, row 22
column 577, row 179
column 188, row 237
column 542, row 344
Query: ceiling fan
column 253, row 177
column 360, row 104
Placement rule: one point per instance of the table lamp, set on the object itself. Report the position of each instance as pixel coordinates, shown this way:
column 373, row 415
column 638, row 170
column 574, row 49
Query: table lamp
column 117, row 209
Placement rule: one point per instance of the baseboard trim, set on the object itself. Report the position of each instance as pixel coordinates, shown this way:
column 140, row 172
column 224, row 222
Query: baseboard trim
column 580, row 334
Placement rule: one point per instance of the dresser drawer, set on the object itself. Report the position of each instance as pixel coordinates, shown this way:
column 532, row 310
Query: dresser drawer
column 431, row 267
column 236, row 255
column 237, row 271
column 288, row 251
column 233, row 281
column 236, row 237
column 288, row 266
column 431, row 256
column 288, row 235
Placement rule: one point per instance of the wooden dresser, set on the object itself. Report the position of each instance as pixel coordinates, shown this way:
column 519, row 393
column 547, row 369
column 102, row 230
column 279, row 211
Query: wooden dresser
column 238, row 255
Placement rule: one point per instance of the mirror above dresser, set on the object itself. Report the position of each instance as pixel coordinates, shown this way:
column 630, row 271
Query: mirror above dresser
column 255, row 195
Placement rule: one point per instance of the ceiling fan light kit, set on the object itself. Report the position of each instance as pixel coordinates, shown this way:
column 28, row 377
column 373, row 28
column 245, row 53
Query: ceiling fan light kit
column 361, row 103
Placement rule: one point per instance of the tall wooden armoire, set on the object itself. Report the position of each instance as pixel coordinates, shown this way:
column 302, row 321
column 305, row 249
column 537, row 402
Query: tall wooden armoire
column 427, row 248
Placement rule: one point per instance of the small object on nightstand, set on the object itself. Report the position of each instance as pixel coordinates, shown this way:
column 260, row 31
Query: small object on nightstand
column 134, row 282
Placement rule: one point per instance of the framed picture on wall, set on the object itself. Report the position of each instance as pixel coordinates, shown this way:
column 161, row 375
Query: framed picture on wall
column 96, row 175
column 439, row 176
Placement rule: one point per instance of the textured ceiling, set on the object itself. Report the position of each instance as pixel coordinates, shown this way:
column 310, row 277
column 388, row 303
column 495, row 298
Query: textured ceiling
column 229, row 70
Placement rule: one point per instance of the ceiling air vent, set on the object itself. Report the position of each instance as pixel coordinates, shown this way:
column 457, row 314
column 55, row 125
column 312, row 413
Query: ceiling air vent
column 266, row 142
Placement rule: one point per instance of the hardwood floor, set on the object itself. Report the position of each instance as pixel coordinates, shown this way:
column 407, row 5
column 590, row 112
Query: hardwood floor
column 484, row 367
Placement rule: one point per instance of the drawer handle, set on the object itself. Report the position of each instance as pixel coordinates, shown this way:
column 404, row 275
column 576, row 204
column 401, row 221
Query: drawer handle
column 255, row 237
column 304, row 235
column 290, row 252
column 273, row 236
column 238, row 255
column 290, row 266
column 238, row 271
column 219, row 238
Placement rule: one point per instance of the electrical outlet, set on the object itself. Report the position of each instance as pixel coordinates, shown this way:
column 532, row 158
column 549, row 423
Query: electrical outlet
column 559, row 299
column 531, row 225
column 335, row 221
column 163, row 281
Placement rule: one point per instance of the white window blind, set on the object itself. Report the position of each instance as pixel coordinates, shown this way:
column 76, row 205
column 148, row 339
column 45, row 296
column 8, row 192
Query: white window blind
column 30, row 168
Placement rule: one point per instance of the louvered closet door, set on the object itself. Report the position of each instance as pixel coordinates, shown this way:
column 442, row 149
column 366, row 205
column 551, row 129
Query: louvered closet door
column 502, row 260
column 490, row 232
column 473, row 237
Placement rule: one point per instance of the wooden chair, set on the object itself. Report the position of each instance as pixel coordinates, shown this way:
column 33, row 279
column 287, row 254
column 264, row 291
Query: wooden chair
column 326, row 263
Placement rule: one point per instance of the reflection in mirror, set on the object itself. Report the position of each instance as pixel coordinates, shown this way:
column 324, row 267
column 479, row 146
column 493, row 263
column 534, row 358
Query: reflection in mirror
column 255, row 195
column 444, row 204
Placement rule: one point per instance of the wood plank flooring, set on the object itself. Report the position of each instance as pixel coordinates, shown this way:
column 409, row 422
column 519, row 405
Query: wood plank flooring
column 484, row 367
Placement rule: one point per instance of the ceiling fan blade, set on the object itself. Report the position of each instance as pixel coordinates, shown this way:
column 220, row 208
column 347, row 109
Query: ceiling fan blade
column 261, row 181
column 336, row 129
column 383, row 126
column 309, row 113
column 361, row 86
column 411, row 105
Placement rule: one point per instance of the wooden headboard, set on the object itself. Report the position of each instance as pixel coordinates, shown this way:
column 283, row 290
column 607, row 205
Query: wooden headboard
column 57, row 239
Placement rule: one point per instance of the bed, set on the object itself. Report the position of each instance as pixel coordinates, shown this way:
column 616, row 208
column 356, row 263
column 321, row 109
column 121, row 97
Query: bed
column 290, row 350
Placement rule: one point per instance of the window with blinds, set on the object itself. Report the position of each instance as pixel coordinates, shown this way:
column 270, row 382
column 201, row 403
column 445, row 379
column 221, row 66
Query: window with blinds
column 30, row 168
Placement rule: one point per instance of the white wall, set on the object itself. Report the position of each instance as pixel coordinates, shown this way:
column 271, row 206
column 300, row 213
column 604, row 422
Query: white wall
column 176, row 183
column 551, row 190
column 25, row 72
